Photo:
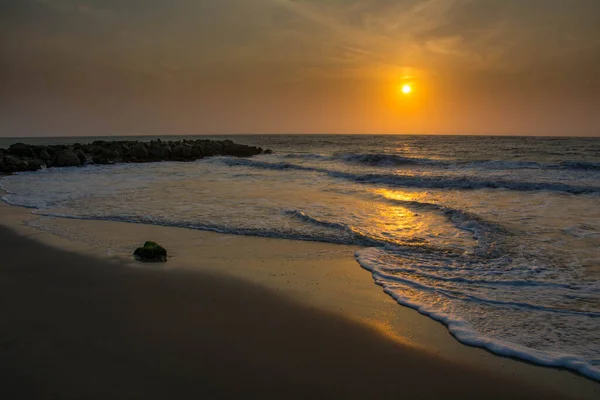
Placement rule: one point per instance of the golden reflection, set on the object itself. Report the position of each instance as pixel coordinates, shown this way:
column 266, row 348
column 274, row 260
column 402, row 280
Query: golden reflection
column 403, row 223
column 396, row 220
column 402, row 149
column 403, row 196
column 398, row 223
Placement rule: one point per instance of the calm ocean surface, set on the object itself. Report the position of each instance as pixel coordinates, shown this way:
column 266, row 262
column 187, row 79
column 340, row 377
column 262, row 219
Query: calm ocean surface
column 498, row 238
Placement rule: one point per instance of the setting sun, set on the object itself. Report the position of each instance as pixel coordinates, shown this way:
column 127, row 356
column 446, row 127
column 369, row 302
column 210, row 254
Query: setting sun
column 406, row 89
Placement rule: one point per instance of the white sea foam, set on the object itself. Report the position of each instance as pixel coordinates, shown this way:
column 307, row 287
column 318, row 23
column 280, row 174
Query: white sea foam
column 456, row 313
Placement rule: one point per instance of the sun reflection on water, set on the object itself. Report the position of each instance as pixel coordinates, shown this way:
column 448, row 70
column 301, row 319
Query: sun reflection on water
column 414, row 218
column 402, row 195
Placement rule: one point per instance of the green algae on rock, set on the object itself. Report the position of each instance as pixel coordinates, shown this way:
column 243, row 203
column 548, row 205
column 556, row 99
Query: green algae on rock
column 151, row 252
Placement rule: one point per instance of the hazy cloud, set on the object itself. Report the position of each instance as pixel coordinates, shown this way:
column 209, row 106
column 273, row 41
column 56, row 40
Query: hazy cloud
column 110, row 66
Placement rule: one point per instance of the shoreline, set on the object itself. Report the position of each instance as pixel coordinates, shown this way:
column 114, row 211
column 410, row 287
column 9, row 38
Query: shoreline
column 321, row 276
column 104, row 331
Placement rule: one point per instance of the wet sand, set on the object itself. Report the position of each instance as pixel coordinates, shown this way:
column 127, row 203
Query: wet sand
column 75, row 326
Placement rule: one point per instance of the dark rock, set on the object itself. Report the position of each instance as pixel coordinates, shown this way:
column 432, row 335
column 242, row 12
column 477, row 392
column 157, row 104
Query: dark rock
column 186, row 152
column 177, row 152
column 268, row 151
column 158, row 152
column 238, row 150
column 116, row 150
column 35, row 163
column 45, row 155
column 151, row 252
column 15, row 164
column 140, row 152
column 81, row 155
column 211, row 148
column 196, row 152
column 10, row 160
column 112, row 154
column 22, row 157
column 99, row 159
column 97, row 149
column 67, row 158
column 21, row 150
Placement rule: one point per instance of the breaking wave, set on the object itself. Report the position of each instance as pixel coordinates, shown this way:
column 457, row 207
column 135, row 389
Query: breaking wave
column 391, row 160
column 421, row 181
column 455, row 296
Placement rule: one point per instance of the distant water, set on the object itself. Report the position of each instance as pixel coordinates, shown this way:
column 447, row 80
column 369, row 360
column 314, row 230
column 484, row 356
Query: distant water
column 498, row 238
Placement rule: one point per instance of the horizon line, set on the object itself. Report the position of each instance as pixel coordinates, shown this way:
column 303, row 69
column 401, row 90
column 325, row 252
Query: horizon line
column 119, row 135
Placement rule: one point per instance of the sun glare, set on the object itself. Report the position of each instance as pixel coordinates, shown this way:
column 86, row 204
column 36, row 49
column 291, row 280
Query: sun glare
column 406, row 88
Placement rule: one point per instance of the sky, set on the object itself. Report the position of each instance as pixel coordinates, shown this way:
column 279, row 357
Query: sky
column 115, row 67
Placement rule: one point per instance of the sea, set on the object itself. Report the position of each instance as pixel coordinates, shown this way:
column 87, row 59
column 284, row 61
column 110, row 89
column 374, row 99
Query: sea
column 498, row 238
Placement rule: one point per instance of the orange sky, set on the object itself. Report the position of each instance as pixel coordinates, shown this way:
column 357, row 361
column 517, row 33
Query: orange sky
column 77, row 67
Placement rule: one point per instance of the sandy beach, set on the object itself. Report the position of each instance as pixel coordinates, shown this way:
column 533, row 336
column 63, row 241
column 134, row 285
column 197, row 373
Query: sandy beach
column 77, row 327
column 217, row 321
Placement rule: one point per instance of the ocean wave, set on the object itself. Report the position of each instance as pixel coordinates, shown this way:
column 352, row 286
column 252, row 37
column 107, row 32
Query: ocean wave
column 455, row 308
column 343, row 234
column 232, row 230
column 381, row 159
column 244, row 162
column 463, row 295
column 462, row 182
column 391, row 160
column 384, row 159
column 462, row 219
column 372, row 159
column 502, row 164
column 488, row 234
column 425, row 182
column 340, row 233
column 518, row 283
column 307, row 218
column 580, row 165
column 306, row 156
column 362, row 239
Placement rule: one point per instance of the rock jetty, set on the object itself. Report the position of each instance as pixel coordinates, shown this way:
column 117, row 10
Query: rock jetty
column 24, row 157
